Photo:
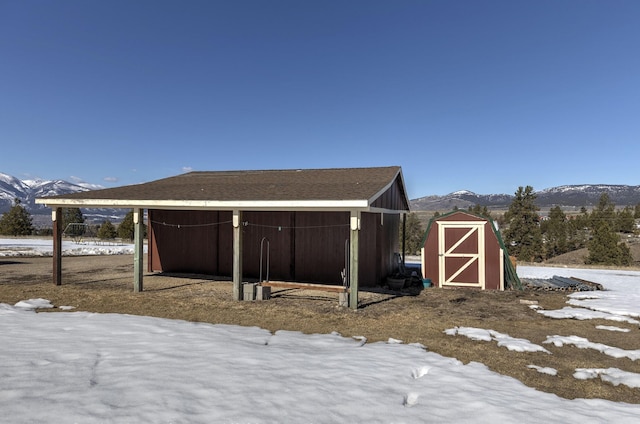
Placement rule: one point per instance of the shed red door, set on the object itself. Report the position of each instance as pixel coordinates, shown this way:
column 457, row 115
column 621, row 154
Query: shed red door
column 461, row 256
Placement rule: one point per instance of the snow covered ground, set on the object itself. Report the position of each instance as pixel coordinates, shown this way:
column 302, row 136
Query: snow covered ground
column 89, row 368
column 44, row 247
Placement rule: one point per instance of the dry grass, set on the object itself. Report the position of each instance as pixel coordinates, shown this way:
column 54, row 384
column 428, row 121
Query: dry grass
column 104, row 284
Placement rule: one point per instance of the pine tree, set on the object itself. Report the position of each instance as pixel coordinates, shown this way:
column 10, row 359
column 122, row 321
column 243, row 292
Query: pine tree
column 578, row 231
column 625, row 221
column 107, row 231
column 605, row 247
column 126, row 228
column 72, row 216
column 480, row 210
column 555, row 232
column 523, row 236
column 16, row 222
column 605, row 211
column 413, row 234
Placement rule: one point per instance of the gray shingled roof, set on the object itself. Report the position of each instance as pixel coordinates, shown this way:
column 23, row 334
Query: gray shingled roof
column 339, row 184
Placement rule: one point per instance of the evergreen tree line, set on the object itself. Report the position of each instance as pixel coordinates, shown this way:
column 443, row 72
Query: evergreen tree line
column 18, row 222
column 526, row 236
column 531, row 239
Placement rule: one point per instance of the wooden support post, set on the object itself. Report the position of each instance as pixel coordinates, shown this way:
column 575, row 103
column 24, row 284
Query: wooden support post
column 138, row 240
column 404, row 236
column 237, row 255
column 56, row 217
column 353, row 259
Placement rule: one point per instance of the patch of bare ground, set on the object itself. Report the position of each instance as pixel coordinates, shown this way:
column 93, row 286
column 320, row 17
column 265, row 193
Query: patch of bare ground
column 104, row 284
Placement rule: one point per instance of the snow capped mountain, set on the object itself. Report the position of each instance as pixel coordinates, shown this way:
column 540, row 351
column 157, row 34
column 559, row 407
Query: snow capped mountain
column 461, row 199
column 569, row 196
column 27, row 191
column 11, row 187
column 589, row 195
column 463, row 192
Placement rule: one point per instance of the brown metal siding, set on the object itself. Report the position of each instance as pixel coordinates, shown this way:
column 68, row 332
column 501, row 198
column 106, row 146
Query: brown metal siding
column 225, row 246
column 430, row 265
column 492, row 257
column 369, row 249
column 320, row 246
column 390, row 245
column 303, row 246
column 187, row 241
column 278, row 230
column 379, row 240
column 393, row 198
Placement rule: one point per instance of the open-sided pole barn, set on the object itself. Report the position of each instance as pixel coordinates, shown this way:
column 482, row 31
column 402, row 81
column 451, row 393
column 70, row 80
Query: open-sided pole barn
column 320, row 225
column 461, row 249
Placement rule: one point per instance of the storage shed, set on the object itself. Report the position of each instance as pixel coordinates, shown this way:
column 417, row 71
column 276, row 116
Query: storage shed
column 328, row 226
column 461, row 249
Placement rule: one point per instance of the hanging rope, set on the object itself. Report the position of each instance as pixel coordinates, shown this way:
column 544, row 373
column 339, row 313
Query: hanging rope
column 248, row 224
column 294, row 227
column 210, row 224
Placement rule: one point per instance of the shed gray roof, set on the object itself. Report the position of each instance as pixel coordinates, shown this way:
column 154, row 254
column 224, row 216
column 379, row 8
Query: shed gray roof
column 341, row 188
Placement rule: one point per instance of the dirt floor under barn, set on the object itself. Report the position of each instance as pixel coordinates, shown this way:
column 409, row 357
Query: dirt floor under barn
column 104, row 284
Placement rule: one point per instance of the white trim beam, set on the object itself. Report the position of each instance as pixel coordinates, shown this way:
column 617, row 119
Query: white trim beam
column 208, row 204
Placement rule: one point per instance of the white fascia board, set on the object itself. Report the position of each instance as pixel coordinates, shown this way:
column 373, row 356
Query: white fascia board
column 209, row 204
column 389, row 211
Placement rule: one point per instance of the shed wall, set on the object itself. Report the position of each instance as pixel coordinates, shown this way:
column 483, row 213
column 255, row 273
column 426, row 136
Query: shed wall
column 492, row 252
column 393, row 198
column 194, row 241
column 302, row 246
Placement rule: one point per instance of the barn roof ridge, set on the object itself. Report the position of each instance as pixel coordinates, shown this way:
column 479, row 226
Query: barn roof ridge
column 343, row 188
column 270, row 170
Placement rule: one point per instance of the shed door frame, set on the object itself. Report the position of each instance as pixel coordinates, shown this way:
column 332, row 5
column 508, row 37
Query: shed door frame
column 474, row 258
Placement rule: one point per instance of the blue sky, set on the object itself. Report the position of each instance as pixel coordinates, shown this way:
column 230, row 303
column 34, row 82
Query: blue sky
column 478, row 95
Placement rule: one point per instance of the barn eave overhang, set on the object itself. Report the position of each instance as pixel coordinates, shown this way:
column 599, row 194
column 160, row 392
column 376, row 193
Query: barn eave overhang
column 262, row 205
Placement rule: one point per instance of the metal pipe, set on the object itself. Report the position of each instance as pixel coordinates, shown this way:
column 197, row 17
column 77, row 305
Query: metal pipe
column 261, row 253
column 345, row 277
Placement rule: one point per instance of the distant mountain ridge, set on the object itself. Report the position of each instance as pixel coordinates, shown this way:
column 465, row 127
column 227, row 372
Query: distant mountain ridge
column 28, row 191
column 567, row 197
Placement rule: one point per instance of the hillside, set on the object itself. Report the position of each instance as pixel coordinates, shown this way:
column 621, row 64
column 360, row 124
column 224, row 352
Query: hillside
column 569, row 197
column 27, row 191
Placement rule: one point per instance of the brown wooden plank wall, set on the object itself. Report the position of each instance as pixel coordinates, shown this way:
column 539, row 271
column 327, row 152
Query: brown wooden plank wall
column 379, row 240
column 304, row 246
column 393, row 198
column 388, row 244
column 320, row 246
column 181, row 241
column 279, row 230
column 493, row 253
